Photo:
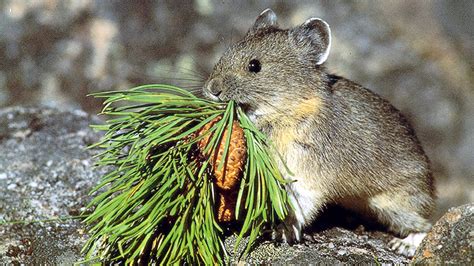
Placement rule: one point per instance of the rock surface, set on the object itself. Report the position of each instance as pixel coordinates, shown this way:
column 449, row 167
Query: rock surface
column 46, row 172
column 451, row 240
column 332, row 246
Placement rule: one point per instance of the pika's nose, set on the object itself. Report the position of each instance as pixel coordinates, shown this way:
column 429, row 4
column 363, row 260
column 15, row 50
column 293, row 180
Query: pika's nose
column 214, row 86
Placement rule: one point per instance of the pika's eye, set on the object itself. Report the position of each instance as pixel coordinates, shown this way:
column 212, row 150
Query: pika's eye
column 254, row 66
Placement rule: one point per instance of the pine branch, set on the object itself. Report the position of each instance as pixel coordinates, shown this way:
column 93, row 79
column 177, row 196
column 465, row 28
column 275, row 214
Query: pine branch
column 158, row 203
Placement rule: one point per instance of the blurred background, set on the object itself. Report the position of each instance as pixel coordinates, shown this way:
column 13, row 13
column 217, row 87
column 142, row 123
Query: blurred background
column 417, row 54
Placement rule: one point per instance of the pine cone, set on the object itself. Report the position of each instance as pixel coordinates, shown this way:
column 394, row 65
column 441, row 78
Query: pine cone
column 227, row 178
column 226, row 210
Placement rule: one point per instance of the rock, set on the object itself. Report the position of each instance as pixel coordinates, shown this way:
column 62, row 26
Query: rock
column 451, row 240
column 328, row 247
column 45, row 173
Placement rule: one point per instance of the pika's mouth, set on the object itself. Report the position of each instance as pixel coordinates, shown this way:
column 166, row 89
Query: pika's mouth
column 249, row 109
column 209, row 96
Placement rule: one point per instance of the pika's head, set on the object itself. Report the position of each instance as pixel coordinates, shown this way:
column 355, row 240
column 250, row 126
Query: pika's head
column 271, row 69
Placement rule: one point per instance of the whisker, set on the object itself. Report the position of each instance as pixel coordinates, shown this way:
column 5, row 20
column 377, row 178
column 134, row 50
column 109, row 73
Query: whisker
column 190, row 72
column 200, row 71
column 176, row 72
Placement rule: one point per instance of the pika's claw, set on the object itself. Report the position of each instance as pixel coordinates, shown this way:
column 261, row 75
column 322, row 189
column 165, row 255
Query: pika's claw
column 284, row 233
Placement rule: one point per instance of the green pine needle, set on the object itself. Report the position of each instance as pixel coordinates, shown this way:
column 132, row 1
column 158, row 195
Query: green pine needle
column 157, row 203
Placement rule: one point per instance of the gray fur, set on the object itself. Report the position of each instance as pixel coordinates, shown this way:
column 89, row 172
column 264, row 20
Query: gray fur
column 355, row 149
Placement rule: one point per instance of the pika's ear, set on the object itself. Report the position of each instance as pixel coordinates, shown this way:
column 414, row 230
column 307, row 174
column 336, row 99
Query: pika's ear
column 267, row 18
column 314, row 37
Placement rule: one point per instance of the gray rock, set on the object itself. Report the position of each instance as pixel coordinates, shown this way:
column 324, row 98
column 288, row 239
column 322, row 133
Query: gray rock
column 332, row 246
column 451, row 240
column 45, row 173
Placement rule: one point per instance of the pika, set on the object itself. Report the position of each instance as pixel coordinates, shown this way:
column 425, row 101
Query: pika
column 343, row 143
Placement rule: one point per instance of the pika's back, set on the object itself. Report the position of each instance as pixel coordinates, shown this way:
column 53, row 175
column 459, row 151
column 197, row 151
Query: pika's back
column 366, row 144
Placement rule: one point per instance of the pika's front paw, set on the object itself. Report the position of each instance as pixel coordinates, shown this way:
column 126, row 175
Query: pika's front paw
column 408, row 245
column 287, row 233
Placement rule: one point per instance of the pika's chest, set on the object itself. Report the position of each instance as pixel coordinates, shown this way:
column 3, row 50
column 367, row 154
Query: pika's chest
column 287, row 149
column 283, row 139
column 288, row 131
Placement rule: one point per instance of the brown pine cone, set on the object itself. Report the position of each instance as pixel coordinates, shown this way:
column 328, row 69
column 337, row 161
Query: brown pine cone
column 227, row 178
column 227, row 202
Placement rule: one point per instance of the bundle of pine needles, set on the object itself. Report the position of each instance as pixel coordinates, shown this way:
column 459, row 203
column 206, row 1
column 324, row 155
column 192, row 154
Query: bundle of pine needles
column 158, row 201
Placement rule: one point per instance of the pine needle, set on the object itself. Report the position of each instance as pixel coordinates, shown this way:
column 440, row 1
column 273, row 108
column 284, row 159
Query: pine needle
column 157, row 203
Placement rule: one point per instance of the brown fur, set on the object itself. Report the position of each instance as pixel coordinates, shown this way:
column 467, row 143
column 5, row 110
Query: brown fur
column 343, row 143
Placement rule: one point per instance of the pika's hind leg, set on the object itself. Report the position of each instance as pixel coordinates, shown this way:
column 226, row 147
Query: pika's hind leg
column 404, row 214
column 408, row 245
column 401, row 212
